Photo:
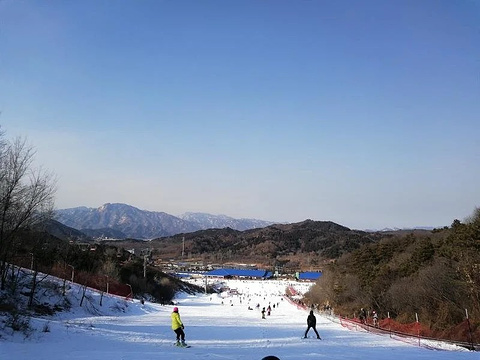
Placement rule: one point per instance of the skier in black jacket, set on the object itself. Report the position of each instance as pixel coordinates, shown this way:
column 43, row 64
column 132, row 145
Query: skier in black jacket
column 311, row 323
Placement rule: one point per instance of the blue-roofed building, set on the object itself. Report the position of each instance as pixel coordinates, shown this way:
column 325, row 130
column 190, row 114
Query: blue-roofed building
column 243, row 273
column 308, row 276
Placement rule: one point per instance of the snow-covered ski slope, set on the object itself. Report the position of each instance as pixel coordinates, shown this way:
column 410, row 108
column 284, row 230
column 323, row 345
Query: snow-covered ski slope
column 216, row 326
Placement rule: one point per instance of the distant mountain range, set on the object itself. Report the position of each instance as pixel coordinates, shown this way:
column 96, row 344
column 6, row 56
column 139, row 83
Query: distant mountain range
column 121, row 221
column 395, row 229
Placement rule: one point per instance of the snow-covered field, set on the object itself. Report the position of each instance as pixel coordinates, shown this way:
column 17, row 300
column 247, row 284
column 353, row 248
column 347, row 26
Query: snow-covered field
column 219, row 326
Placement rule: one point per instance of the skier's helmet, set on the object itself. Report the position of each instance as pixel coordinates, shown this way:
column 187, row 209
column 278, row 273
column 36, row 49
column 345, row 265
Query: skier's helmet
column 175, row 309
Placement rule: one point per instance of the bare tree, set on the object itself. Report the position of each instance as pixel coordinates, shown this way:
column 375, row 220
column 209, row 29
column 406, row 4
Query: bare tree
column 26, row 195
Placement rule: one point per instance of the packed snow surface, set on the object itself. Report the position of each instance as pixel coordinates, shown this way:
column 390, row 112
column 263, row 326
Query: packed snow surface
column 218, row 326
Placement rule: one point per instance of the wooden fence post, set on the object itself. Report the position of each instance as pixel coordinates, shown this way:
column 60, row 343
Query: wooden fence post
column 418, row 328
column 389, row 323
column 469, row 330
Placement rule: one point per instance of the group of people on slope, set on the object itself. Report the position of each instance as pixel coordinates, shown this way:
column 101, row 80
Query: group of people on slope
column 363, row 317
column 177, row 326
column 268, row 311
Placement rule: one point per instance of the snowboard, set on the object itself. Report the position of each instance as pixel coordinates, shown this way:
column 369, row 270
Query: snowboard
column 182, row 346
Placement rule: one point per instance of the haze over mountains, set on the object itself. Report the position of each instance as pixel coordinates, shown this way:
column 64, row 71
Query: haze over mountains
column 120, row 221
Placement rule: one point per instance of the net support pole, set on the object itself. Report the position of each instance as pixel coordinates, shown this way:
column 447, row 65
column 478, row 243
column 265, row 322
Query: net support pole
column 418, row 328
column 470, row 335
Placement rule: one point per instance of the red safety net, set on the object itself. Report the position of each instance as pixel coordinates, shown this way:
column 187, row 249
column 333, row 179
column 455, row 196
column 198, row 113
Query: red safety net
column 466, row 332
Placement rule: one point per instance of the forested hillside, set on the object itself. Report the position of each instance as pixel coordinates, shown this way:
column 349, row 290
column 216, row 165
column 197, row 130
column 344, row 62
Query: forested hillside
column 295, row 246
column 436, row 275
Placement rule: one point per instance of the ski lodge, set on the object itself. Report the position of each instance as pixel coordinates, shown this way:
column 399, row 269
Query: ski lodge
column 239, row 273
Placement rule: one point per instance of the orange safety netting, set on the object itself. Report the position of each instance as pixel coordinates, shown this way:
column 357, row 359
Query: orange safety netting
column 465, row 332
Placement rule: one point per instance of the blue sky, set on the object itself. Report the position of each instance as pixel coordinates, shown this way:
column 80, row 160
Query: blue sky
column 363, row 113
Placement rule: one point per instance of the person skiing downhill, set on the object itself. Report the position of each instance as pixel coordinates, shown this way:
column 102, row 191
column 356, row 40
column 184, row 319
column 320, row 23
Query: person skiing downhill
column 177, row 327
column 311, row 323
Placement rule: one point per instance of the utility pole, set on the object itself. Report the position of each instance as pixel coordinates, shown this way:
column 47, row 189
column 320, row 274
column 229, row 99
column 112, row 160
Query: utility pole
column 183, row 247
column 73, row 272
column 144, row 266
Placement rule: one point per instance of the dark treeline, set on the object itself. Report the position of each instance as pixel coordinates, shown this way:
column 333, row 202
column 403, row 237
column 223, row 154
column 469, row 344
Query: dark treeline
column 435, row 275
column 88, row 264
column 105, row 268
